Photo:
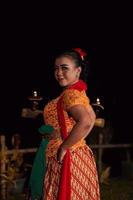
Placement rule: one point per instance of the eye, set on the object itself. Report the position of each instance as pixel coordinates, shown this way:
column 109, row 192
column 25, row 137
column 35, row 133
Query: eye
column 65, row 68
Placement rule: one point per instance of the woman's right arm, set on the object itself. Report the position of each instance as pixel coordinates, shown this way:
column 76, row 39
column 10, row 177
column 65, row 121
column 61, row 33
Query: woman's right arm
column 85, row 119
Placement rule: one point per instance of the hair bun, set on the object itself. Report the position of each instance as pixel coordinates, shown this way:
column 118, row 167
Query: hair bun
column 81, row 52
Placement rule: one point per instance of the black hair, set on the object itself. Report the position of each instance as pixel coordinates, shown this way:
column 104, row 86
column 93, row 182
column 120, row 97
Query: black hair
column 79, row 61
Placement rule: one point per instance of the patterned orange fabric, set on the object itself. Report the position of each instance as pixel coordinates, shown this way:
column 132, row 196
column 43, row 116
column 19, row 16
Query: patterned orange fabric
column 74, row 97
column 84, row 181
column 70, row 98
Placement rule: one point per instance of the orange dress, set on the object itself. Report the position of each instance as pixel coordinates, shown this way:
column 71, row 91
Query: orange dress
column 84, row 178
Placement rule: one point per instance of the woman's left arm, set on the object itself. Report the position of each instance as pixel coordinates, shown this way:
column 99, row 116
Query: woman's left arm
column 85, row 119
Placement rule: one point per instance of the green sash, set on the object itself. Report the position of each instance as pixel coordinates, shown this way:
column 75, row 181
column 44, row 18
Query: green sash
column 39, row 165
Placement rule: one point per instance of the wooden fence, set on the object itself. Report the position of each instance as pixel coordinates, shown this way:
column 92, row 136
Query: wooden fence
column 5, row 153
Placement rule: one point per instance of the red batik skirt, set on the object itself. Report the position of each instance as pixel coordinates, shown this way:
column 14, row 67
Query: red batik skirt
column 84, row 178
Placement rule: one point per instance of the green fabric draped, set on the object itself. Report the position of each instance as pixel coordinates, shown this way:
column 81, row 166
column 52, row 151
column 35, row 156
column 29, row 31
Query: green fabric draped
column 39, row 165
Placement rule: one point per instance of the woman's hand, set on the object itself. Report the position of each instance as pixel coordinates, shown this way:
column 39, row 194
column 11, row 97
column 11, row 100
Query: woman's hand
column 60, row 154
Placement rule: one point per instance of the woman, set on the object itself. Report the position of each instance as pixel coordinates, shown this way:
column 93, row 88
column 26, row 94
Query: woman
column 71, row 170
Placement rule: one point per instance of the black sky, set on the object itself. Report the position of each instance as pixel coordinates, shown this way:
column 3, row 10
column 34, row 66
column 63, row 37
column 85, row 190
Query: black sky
column 29, row 44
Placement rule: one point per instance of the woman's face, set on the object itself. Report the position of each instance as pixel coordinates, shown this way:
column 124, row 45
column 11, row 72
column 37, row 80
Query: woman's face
column 66, row 71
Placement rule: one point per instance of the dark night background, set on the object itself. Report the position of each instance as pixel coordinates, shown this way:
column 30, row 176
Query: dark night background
column 31, row 39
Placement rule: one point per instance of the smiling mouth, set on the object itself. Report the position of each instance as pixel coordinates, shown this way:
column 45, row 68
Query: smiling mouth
column 60, row 79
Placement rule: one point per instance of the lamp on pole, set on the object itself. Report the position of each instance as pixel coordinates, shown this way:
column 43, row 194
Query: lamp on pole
column 33, row 112
column 100, row 122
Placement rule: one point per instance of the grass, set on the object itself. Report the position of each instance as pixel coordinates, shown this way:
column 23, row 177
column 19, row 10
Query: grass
column 117, row 189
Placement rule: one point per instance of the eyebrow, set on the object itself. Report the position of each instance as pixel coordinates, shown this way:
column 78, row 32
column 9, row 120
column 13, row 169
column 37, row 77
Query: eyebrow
column 63, row 65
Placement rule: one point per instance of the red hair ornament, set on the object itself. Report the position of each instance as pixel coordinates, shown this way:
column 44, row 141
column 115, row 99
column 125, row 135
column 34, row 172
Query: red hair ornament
column 81, row 52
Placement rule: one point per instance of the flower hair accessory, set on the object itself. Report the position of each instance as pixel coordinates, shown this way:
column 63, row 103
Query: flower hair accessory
column 81, row 52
